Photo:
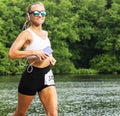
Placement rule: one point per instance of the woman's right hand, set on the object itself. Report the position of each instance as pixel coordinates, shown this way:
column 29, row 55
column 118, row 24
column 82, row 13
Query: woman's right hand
column 41, row 55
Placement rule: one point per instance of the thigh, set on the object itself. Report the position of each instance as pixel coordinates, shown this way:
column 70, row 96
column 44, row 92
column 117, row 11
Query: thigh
column 24, row 102
column 48, row 97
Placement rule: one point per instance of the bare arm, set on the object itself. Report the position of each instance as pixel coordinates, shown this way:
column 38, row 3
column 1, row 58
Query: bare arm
column 15, row 51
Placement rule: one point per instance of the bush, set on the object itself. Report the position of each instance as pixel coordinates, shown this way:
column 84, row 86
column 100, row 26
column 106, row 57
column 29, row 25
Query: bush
column 106, row 63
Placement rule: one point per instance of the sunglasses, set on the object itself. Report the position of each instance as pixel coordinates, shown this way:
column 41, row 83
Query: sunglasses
column 38, row 13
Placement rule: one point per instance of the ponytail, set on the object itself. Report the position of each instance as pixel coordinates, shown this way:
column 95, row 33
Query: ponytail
column 26, row 24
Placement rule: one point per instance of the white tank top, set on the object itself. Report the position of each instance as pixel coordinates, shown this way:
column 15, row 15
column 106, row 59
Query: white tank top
column 37, row 43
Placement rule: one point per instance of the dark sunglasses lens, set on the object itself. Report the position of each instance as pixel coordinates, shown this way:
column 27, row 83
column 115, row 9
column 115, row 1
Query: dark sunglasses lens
column 36, row 13
column 43, row 13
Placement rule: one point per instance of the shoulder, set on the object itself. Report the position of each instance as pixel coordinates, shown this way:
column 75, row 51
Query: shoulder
column 25, row 35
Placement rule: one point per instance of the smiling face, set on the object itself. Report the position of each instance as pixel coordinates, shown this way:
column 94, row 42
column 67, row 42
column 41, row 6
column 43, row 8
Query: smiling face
column 36, row 14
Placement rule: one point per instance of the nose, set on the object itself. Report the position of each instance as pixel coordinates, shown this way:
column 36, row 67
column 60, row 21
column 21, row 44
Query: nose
column 40, row 15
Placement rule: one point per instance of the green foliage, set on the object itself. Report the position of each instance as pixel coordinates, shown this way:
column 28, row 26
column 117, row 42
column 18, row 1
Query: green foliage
column 109, row 24
column 86, row 71
column 7, row 66
column 106, row 63
column 85, row 34
column 60, row 25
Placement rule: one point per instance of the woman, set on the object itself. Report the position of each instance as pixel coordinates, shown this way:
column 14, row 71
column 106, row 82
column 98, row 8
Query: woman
column 33, row 43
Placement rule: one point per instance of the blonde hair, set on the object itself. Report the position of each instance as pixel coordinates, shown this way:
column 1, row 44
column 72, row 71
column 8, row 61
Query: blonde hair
column 28, row 22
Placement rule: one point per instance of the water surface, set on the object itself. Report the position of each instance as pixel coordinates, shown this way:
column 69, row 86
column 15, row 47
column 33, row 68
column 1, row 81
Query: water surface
column 77, row 96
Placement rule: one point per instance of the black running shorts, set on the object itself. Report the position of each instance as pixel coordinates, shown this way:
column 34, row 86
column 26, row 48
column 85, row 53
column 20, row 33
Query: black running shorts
column 36, row 80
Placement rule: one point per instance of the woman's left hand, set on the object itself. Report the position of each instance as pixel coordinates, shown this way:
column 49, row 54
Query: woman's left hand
column 52, row 60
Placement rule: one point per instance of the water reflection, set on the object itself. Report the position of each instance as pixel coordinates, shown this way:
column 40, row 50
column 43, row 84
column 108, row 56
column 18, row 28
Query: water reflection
column 77, row 95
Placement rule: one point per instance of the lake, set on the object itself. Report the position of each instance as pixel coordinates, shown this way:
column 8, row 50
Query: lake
column 78, row 95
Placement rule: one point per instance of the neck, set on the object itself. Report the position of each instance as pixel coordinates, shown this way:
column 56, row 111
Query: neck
column 36, row 28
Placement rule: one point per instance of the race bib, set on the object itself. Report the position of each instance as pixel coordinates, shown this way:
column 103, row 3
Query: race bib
column 49, row 78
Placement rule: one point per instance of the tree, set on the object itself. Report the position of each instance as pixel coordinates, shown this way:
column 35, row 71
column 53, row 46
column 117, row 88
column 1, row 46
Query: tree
column 82, row 33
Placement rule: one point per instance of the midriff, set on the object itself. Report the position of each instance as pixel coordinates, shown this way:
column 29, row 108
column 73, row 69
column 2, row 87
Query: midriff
column 39, row 63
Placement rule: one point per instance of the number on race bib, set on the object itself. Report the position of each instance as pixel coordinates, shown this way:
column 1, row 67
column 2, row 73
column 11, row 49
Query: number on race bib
column 49, row 78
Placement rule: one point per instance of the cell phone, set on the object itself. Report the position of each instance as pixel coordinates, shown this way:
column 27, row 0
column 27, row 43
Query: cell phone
column 48, row 50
